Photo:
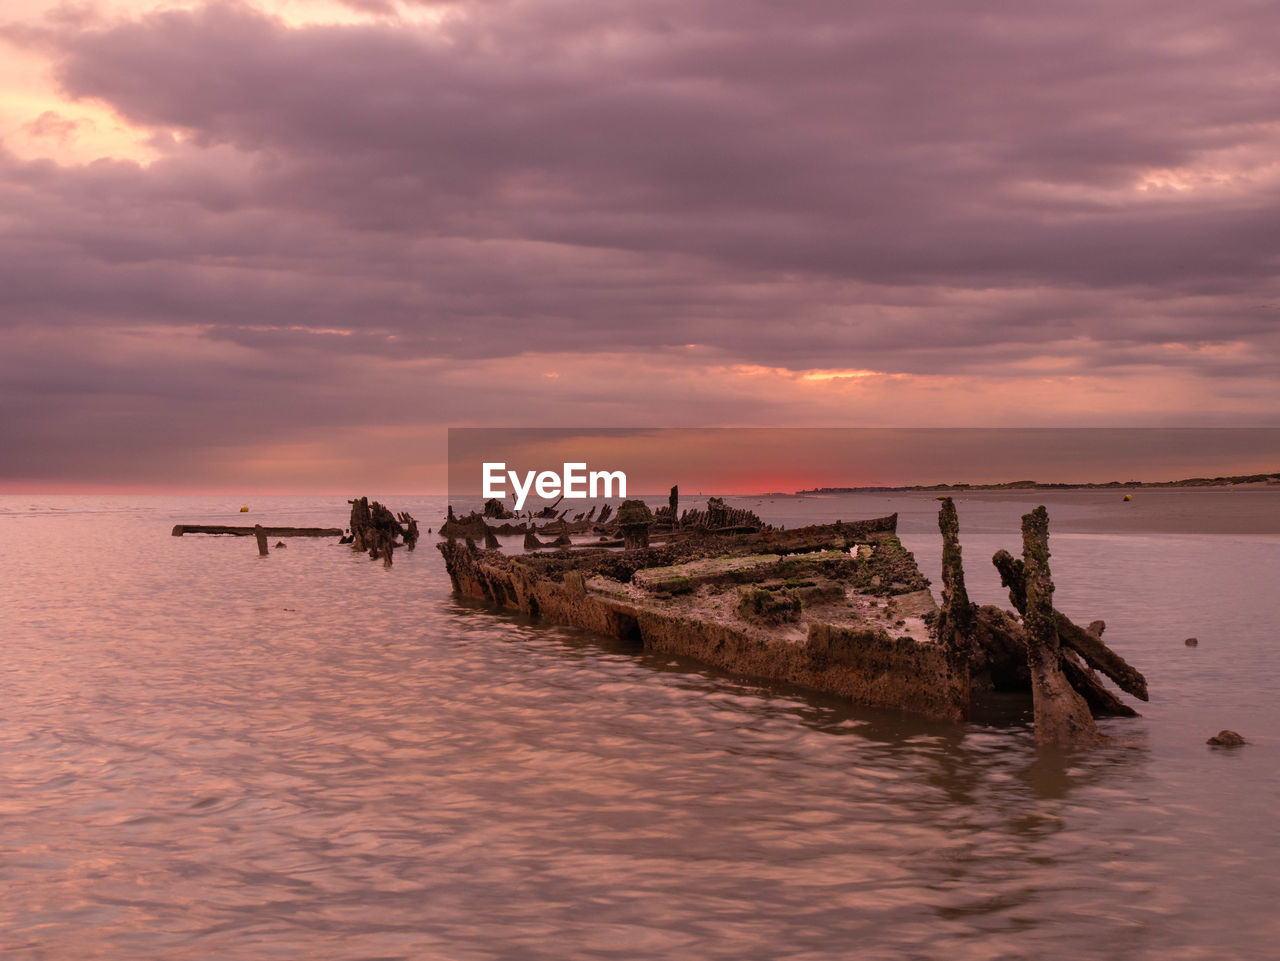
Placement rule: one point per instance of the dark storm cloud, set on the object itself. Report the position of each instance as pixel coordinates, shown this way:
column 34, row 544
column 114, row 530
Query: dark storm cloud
column 911, row 188
column 851, row 142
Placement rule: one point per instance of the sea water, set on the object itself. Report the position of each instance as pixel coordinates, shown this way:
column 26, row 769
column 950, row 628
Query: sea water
column 208, row 754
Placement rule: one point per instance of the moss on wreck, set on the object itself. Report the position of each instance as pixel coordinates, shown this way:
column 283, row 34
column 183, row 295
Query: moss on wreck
column 769, row 607
column 895, row 566
column 882, row 567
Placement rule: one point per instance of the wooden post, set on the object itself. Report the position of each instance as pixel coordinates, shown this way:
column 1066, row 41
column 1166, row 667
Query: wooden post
column 635, row 536
column 261, row 537
column 1061, row 715
column 634, row 521
column 955, row 620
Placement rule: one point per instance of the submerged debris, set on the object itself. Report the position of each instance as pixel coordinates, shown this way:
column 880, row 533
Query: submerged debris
column 496, row 509
column 1226, row 739
column 376, row 530
column 721, row 518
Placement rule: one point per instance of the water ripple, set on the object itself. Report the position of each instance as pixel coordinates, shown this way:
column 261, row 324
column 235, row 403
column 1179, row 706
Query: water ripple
column 208, row 755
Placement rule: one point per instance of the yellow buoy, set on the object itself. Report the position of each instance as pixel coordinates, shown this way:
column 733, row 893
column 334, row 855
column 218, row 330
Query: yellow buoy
column 244, row 510
column 1128, row 497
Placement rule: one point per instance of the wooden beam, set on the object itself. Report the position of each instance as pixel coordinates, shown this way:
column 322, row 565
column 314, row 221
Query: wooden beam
column 180, row 529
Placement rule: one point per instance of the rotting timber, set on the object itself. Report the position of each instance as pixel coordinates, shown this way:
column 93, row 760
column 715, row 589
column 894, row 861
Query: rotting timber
column 375, row 529
column 180, row 529
column 840, row 608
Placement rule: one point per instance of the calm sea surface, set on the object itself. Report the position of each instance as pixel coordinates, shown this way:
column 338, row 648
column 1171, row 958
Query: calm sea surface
column 207, row 754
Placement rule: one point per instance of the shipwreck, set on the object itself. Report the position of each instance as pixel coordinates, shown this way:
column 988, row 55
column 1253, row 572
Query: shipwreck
column 839, row 608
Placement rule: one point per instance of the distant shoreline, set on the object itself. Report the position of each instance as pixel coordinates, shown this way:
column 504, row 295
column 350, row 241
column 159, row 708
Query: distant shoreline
column 1270, row 479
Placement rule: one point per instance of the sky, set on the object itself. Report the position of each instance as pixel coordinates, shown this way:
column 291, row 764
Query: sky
column 756, row 460
column 284, row 245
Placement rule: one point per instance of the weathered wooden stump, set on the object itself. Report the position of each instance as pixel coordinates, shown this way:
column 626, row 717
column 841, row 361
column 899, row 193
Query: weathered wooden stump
column 375, row 529
column 955, row 620
column 498, row 511
column 1061, row 715
column 634, row 521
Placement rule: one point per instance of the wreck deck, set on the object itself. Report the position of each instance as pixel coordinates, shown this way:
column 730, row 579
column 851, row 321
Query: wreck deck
column 850, row 616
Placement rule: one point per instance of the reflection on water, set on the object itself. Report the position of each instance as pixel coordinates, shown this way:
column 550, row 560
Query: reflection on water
column 212, row 755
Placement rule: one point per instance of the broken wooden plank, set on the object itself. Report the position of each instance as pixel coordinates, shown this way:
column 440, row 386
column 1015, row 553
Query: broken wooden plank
column 1087, row 643
column 1102, row 703
column 1101, row 658
column 180, row 529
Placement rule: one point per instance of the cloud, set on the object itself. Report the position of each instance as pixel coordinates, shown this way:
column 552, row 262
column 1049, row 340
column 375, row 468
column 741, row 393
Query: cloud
column 52, row 124
column 993, row 193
